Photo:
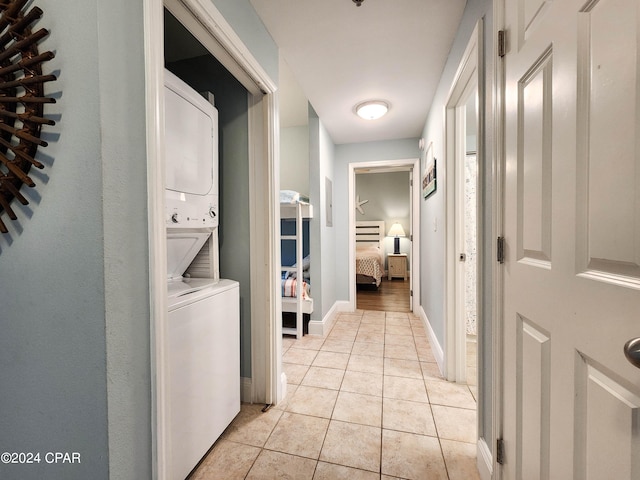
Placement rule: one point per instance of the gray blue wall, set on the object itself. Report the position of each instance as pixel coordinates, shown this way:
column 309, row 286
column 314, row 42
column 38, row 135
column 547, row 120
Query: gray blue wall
column 74, row 349
column 75, row 368
column 321, row 168
column 245, row 22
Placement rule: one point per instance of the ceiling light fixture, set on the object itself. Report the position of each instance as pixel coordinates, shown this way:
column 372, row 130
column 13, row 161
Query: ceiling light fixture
column 372, row 109
column 358, row 2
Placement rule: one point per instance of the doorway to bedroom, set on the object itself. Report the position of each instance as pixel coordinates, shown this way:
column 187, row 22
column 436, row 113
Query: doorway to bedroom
column 383, row 252
column 384, row 268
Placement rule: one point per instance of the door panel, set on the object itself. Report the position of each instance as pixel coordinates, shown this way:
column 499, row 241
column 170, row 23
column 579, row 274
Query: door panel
column 600, row 401
column 608, row 99
column 534, row 163
column 534, row 371
column 531, row 12
column 572, row 230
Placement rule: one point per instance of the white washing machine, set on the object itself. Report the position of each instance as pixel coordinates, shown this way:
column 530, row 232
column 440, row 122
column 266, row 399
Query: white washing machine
column 203, row 333
column 204, row 369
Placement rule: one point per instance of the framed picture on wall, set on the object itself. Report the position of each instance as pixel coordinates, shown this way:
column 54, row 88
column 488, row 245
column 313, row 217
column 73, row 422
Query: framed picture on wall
column 429, row 173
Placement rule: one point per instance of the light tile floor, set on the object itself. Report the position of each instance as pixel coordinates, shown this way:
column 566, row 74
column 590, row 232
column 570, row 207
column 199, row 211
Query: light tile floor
column 364, row 402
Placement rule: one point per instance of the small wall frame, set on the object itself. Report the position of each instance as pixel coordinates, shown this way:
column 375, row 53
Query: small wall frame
column 429, row 180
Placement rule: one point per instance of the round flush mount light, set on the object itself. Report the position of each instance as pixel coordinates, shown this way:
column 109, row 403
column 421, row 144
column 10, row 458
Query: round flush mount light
column 372, row 109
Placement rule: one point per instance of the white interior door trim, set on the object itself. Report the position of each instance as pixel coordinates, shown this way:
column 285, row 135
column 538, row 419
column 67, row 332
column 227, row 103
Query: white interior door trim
column 466, row 75
column 222, row 42
column 412, row 163
column 208, row 25
column 154, row 95
column 460, row 114
column 497, row 215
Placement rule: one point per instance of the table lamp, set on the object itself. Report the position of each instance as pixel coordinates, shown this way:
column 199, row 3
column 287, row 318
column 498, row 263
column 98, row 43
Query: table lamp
column 396, row 231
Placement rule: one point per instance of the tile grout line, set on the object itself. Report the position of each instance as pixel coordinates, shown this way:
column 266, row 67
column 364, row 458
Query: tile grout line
column 384, row 370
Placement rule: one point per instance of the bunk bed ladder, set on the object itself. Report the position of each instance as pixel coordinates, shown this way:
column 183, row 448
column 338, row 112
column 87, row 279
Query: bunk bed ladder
column 298, row 330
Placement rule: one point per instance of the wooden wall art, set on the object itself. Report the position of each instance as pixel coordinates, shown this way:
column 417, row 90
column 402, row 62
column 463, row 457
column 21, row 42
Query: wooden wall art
column 22, row 100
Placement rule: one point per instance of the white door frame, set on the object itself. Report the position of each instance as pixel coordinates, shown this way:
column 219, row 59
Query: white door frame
column 460, row 230
column 213, row 31
column 466, row 79
column 412, row 163
column 497, row 215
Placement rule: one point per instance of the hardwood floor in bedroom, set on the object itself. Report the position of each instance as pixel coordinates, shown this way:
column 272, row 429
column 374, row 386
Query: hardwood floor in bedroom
column 391, row 295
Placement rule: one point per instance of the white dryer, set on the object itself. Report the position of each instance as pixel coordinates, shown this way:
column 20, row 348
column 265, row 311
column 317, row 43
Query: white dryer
column 203, row 333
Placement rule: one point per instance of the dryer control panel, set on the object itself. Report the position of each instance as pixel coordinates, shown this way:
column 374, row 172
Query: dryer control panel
column 191, row 211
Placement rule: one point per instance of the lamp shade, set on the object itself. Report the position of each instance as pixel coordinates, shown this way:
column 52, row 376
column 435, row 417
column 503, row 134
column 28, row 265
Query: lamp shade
column 396, row 230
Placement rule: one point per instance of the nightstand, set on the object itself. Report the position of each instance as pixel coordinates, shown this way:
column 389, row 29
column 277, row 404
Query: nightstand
column 397, row 263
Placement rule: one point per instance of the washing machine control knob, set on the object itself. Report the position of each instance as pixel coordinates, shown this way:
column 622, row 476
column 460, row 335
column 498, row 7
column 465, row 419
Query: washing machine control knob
column 174, row 218
column 212, row 212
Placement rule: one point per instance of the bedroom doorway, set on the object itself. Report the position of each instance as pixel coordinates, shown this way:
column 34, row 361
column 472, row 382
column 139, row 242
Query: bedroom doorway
column 384, row 192
column 383, row 210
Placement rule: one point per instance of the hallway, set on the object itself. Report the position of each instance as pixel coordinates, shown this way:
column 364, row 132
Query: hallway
column 365, row 402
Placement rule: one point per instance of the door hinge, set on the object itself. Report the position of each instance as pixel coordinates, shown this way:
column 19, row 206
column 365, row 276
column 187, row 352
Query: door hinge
column 500, row 451
column 411, row 293
column 502, row 43
column 500, row 249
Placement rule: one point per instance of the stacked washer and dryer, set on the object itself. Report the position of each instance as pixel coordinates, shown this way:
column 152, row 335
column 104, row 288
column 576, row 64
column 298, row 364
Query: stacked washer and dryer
column 203, row 334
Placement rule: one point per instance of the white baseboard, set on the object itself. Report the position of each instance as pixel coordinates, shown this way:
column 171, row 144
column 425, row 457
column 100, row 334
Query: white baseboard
column 484, row 460
column 246, row 390
column 436, row 348
column 322, row 327
column 342, row 306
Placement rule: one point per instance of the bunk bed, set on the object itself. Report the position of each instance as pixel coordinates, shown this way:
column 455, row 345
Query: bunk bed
column 295, row 280
column 369, row 252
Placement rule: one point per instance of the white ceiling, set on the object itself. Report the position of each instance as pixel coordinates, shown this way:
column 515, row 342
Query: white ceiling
column 339, row 55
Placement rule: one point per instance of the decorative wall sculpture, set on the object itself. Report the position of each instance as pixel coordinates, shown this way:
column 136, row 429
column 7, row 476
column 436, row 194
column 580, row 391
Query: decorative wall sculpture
column 22, row 101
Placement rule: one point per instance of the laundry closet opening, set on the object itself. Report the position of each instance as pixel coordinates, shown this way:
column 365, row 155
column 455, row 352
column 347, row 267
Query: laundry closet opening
column 189, row 60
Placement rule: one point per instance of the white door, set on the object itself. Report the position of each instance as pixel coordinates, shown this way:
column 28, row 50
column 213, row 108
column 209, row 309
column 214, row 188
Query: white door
column 572, row 230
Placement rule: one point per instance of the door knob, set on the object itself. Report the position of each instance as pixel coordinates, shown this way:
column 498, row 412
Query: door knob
column 632, row 351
